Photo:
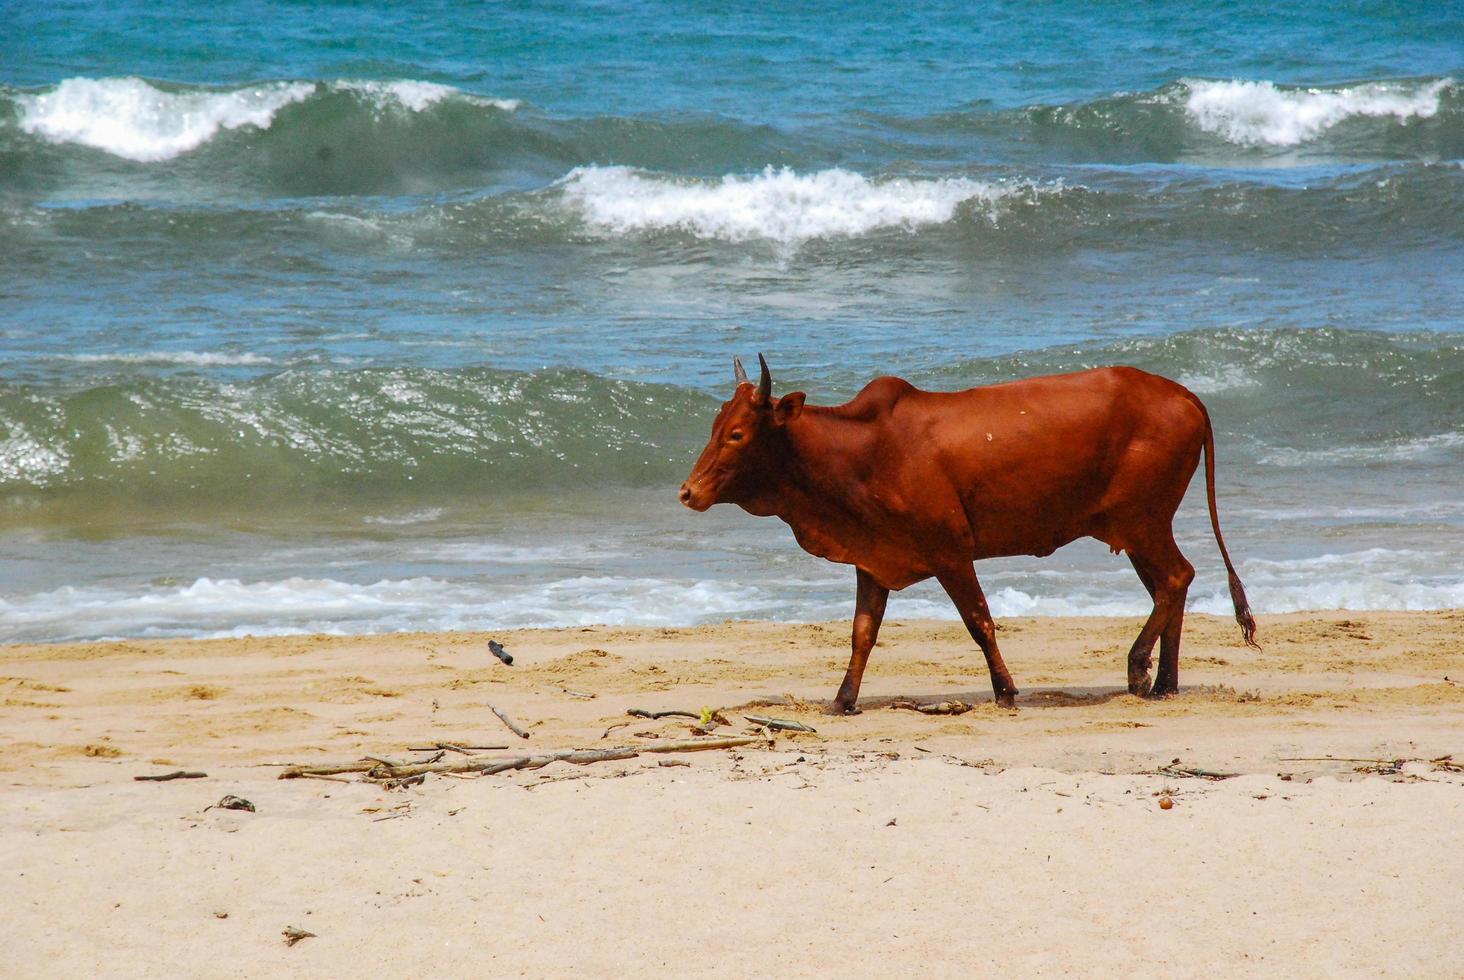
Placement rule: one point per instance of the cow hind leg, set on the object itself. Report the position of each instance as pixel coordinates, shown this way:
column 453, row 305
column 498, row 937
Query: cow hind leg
column 1139, row 658
column 1166, row 575
column 965, row 591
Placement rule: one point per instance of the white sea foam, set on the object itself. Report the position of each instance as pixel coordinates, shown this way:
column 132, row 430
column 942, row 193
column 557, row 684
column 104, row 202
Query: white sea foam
column 23, row 458
column 128, row 117
column 1227, row 378
column 777, row 205
column 1424, row 447
column 1261, row 114
column 134, row 119
column 424, row 516
column 1354, row 594
column 231, row 607
column 1375, row 578
column 183, row 357
column 416, row 96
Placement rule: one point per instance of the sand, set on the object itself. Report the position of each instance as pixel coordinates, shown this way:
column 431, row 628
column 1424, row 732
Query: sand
column 1027, row 842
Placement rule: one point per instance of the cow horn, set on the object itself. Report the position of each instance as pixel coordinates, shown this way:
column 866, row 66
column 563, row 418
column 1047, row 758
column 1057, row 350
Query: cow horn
column 739, row 375
column 765, row 383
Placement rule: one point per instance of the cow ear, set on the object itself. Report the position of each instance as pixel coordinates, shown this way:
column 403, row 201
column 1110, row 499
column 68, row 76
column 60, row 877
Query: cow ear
column 788, row 408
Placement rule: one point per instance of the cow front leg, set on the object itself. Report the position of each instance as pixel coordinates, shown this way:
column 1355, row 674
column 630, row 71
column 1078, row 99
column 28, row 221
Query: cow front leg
column 869, row 609
column 965, row 592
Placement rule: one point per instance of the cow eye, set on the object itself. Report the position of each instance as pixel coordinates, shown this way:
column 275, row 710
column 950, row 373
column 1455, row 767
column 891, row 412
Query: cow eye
column 735, row 435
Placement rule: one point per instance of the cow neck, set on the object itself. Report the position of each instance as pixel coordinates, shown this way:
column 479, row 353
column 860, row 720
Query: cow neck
column 821, row 452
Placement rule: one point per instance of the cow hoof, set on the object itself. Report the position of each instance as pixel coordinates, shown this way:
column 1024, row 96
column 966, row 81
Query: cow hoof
column 845, row 709
column 1140, row 685
column 1162, row 689
column 1007, row 700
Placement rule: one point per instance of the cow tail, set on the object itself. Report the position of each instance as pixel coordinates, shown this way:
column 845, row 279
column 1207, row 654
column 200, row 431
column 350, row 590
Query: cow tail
column 1237, row 591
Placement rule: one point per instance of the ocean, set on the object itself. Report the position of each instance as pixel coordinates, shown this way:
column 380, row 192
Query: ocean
column 346, row 318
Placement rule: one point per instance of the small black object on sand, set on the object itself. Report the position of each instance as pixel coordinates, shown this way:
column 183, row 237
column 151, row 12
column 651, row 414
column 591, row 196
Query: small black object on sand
column 496, row 648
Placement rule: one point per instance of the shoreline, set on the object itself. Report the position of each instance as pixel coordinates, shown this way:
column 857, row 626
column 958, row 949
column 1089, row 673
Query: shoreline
column 1030, row 838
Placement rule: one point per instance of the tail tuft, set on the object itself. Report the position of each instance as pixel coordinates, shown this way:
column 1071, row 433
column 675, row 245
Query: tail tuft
column 1242, row 611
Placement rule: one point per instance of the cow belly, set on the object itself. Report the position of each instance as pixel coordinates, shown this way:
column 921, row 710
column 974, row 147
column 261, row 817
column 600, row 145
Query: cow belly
column 889, row 552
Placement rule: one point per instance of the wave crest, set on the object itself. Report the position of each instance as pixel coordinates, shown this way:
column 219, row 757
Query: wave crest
column 779, row 205
column 128, row 117
column 1264, row 114
column 134, row 119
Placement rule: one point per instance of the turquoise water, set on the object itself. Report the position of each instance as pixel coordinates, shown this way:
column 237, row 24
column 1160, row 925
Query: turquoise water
column 316, row 317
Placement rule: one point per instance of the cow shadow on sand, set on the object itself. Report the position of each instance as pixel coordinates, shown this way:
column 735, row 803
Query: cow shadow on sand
column 1066, row 696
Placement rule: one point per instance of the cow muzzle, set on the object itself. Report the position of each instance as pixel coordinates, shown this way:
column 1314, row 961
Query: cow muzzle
column 692, row 499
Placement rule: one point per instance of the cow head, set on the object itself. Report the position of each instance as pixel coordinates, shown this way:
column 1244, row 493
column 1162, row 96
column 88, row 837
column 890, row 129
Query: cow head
column 747, row 438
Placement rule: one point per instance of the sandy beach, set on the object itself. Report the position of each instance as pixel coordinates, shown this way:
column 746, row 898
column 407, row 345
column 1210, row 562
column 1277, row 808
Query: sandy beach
column 1030, row 842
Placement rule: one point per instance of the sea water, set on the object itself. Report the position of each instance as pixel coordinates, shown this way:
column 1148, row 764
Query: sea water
column 326, row 317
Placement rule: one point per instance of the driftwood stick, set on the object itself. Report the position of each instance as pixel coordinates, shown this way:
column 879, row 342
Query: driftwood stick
column 1335, row 758
column 164, row 777
column 576, row 756
column 1444, row 762
column 951, row 707
column 294, row 771
column 385, row 762
column 658, row 715
column 509, row 722
column 312, row 775
column 496, row 648
column 1196, row 773
column 456, row 747
column 582, row 695
column 779, row 724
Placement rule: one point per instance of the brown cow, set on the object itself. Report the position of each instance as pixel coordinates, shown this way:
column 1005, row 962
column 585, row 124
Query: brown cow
column 905, row 484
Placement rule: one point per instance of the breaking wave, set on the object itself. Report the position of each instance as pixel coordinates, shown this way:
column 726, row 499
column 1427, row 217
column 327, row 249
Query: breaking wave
column 135, row 138
column 777, row 205
column 402, row 440
column 1405, row 205
column 1264, row 114
column 137, row 120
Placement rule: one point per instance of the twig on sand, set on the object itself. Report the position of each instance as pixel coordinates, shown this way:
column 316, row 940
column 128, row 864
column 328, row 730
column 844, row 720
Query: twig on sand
column 658, row 715
column 496, row 648
column 951, row 707
column 582, row 695
column 456, row 747
column 622, row 724
column 333, row 779
column 1385, row 767
column 293, row 935
column 385, row 762
column 576, row 756
column 164, row 777
column 1173, row 770
column 509, row 722
column 780, row 724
